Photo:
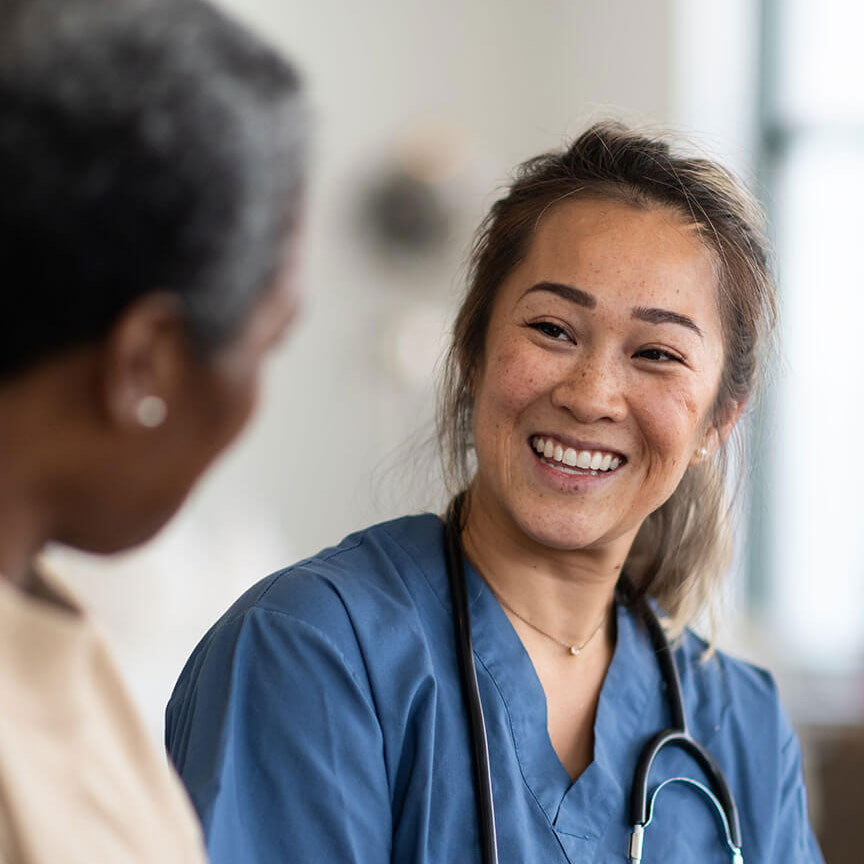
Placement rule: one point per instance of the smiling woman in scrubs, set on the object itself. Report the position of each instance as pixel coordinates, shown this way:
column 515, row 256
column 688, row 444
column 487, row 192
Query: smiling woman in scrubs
column 617, row 311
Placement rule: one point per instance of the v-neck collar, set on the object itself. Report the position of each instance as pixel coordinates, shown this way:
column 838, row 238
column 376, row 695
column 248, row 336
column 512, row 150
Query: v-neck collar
column 627, row 699
column 581, row 808
column 631, row 708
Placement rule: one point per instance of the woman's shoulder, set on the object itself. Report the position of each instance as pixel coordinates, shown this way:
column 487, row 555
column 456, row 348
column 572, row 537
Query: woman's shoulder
column 734, row 709
column 324, row 619
column 371, row 566
column 725, row 691
column 351, row 595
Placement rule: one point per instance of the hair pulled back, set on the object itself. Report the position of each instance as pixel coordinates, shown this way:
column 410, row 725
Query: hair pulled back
column 682, row 548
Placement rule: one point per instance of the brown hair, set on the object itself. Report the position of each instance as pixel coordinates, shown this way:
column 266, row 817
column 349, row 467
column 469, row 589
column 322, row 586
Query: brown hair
column 681, row 549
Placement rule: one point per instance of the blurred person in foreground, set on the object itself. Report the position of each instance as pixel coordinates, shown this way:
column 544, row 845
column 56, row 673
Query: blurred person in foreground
column 618, row 310
column 151, row 167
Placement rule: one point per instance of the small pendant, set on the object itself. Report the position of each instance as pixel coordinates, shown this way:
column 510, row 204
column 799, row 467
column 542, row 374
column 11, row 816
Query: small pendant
column 574, row 650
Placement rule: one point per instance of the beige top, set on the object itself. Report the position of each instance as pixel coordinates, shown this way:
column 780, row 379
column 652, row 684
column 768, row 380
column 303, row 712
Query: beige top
column 80, row 780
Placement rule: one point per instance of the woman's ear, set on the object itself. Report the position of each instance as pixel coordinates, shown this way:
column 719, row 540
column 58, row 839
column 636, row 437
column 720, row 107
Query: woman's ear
column 730, row 419
column 716, row 436
column 142, row 363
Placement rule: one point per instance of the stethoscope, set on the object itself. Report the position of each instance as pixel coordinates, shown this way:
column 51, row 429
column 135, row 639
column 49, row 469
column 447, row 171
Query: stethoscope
column 641, row 805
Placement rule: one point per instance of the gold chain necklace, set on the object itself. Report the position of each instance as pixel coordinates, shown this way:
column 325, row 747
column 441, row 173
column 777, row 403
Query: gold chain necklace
column 574, row 650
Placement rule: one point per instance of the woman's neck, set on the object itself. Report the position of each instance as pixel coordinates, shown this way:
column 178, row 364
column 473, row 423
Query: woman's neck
column 565, row 593
column 23, row 528
column 20, row 540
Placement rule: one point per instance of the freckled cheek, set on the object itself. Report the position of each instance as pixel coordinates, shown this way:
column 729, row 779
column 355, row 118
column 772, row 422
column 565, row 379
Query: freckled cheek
column 510, row 385
column 515, row 380
column 670, row 422
column 690, row 405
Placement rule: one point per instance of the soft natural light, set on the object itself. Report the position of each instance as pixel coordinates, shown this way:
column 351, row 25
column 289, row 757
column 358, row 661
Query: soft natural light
column 819, row 61
column 817, row 535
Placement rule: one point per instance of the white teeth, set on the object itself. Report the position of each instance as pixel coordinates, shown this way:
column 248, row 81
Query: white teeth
column 585, row 460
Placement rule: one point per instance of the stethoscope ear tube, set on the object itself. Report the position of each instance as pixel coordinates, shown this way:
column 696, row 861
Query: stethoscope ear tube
column 471, row 691
column 678, row 736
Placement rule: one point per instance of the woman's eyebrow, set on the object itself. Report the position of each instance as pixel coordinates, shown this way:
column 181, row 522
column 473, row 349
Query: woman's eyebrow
column 582, row 298
column 568, row 292
column 664, row 316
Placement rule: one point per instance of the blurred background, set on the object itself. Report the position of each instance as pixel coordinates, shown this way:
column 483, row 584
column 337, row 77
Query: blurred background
column 422, row 110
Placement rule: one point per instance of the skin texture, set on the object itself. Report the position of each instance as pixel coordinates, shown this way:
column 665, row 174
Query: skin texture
column 78, row 467
column 550, row 544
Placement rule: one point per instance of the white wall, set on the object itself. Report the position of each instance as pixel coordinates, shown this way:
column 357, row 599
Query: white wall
column 715, row 83
column 507, row 79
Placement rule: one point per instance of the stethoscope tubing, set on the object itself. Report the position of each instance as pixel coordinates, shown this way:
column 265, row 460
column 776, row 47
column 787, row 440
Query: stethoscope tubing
column 678, row 735
column 639, row 810
column 471, row 691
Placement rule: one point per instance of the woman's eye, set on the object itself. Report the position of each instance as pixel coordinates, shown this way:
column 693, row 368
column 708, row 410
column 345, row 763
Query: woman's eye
column 553, row 331
column 658, row 355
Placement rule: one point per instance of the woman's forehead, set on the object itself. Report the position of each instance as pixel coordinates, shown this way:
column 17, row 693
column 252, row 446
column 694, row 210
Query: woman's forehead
column 618, row 253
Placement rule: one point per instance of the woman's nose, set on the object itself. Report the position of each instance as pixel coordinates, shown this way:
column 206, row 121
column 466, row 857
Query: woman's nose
column 592, row 391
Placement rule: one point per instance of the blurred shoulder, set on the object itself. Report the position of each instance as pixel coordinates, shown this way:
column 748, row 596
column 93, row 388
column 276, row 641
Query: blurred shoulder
column 364, row 582
column 366, row 564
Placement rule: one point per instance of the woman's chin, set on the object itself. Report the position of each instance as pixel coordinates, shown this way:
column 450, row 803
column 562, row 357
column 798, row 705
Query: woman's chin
column 561, row 532
column 124, row 532
column 560, row 537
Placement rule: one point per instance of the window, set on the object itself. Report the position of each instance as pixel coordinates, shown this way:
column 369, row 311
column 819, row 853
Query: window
column 812, row 537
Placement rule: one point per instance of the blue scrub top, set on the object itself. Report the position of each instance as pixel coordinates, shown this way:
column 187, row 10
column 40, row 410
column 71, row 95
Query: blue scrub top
column 321, row 720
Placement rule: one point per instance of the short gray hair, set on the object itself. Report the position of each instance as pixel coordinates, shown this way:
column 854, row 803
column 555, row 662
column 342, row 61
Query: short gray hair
column 144, row 145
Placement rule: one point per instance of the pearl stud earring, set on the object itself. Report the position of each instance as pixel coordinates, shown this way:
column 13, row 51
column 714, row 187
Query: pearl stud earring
column 151, row 411
column 703, row 452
